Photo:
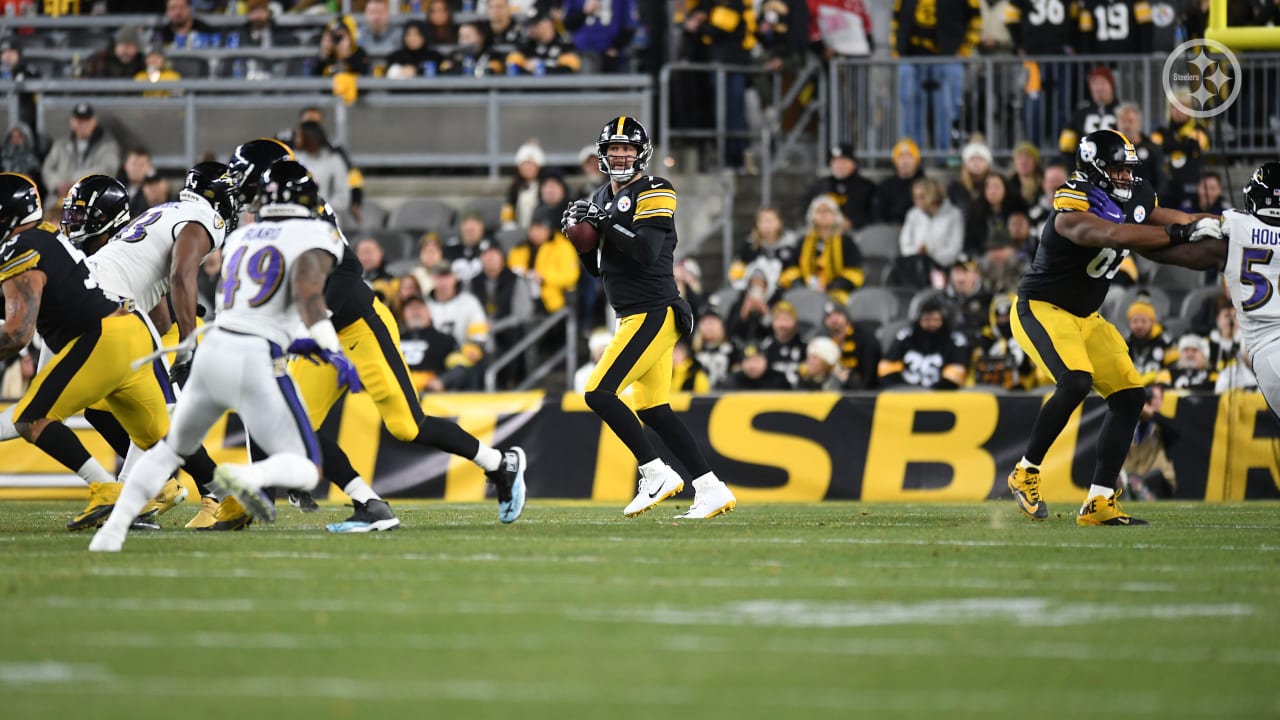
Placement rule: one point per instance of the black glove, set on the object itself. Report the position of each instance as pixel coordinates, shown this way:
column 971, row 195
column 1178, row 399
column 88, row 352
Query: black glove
column 181, row 369
column 1203, row 229
column 589, row 212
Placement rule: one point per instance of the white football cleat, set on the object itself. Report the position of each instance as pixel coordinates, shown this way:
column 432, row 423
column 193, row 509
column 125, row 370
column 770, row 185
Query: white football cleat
column 710, row 498
column 655, row 486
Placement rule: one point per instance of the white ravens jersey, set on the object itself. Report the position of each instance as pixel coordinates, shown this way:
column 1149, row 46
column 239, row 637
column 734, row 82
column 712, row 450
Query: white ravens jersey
column 253, row 296
column 135, row 265
column 1252, row 272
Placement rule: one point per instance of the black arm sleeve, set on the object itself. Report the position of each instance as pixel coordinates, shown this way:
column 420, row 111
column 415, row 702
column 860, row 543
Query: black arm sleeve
column 641, row 245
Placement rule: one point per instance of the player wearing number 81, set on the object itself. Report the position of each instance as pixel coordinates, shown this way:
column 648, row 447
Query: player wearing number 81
column 1101, row 214
column 274, row 274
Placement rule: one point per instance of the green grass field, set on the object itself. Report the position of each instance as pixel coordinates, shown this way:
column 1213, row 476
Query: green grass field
column 802, row 611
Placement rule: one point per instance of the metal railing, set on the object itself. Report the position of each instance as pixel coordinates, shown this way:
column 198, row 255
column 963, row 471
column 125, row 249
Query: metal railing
column 869, row 102
column 412, row 123
column 568, row 354
column 773, row 145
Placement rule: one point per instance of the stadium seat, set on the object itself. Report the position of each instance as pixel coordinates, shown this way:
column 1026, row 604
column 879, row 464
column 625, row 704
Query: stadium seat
column 809, row 307
column 509, row 238
column 373, row 216
column 489, row 208
column 396, row 244
column 874, row 303
column 918, row 299
column 1195, row 300
column 1119, row 311
column 875, row 269
column 879, row 240
column 1180, row 278
column 723, row 299
column 422, row 214
column 887, row 332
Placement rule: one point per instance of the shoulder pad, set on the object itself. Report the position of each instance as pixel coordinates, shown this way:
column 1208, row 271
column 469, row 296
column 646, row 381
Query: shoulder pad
column 1073, row 195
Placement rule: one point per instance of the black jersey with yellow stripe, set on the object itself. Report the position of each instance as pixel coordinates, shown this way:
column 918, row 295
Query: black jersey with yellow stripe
column 631, row 288
column 71, row 303
column 1071, row 276
column 346, row 293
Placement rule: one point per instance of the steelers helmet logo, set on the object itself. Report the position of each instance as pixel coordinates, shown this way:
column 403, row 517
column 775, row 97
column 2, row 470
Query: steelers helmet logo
column 1088, row 150
column 624, row 204
column 1139, row 214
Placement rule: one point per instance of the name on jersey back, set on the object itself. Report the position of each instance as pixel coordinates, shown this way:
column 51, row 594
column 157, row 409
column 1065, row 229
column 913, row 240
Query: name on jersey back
column 1264, row 236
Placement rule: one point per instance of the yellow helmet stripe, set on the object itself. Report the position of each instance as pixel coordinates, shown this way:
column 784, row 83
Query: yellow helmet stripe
column 622, row 119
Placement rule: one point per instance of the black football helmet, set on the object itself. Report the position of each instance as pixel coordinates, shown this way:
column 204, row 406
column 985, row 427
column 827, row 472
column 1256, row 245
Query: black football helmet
column 628, row 130
column 95, row 207
column 1108, row 160
column 209, row 181
column 19, row 203
column 289, row 191
column 250, row 161
column 1262, row 194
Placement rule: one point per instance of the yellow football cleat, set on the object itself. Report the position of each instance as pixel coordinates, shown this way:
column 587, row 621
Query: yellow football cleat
column 1105, row 510
column 1024, row 483
column 102, row 500
column 207, row 516
column 171, row 496
column 231, row 515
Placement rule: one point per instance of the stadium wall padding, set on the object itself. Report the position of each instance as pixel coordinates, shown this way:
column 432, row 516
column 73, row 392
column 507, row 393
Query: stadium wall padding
column 772, row 447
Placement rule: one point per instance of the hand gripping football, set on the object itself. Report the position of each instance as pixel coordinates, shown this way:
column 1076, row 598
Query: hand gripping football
column 583, row 236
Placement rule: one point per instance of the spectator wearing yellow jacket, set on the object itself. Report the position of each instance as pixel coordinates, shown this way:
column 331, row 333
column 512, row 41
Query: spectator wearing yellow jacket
column 546, row 259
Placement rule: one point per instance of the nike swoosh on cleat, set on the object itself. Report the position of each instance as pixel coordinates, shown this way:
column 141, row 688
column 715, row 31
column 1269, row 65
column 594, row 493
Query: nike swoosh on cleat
column 655, row 493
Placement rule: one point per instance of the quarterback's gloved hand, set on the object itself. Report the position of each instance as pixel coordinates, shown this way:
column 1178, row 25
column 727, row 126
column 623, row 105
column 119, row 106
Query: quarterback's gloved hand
column 589, row 212
column 309, row 349
column 1104, row 206
column 1203, row 229
column 567, row 219
column 181, row 368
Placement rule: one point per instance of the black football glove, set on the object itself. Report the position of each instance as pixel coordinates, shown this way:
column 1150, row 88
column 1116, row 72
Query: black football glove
column 589, row 212
column 181, row 368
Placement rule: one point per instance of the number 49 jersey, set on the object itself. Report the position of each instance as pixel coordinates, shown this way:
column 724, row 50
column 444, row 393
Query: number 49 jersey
column 1253, row 266
column 254, row 296
column 1074, row 277
column 135, row 265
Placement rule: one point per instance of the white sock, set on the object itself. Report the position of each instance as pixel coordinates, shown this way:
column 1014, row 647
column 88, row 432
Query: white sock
column 706, row 479
column 93, row 472
column 130, row 461
column 8, row 431
column 1026, row 464
column 287, row 470
column 1099, row 491
column 149, row 476
column 359, row 491
column 489, row 459
column 652, row 466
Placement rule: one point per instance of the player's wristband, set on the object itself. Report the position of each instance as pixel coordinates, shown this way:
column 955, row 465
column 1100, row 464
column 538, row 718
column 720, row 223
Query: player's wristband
column 324, row 335
column 1178, row 234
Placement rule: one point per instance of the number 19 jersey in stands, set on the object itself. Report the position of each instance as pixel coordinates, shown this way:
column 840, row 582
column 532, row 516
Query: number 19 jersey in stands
column 253, row 297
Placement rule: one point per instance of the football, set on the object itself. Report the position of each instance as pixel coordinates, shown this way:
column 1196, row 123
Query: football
column 583, row 236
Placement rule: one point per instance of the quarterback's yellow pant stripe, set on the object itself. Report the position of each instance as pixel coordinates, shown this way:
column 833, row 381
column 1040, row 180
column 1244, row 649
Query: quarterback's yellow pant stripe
column 639, row 356
column 1059, row 342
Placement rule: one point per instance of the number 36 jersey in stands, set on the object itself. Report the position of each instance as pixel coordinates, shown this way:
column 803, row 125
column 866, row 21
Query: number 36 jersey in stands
column 135, row 265
column 254, row 297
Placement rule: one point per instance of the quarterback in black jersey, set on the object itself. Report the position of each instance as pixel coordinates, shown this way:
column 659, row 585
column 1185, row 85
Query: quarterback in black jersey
column 1099, row 216
column 635, row 217
column 47, row 287
column 370, row 338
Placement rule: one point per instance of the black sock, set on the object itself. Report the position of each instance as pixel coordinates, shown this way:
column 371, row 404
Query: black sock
column 337, row 466
column 1124, row 408
column 677, row 437
column 110, row 429
column 61, row 444
column 200, row 467
column 623, row 423
column 447, row 436
column 1073, row 388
